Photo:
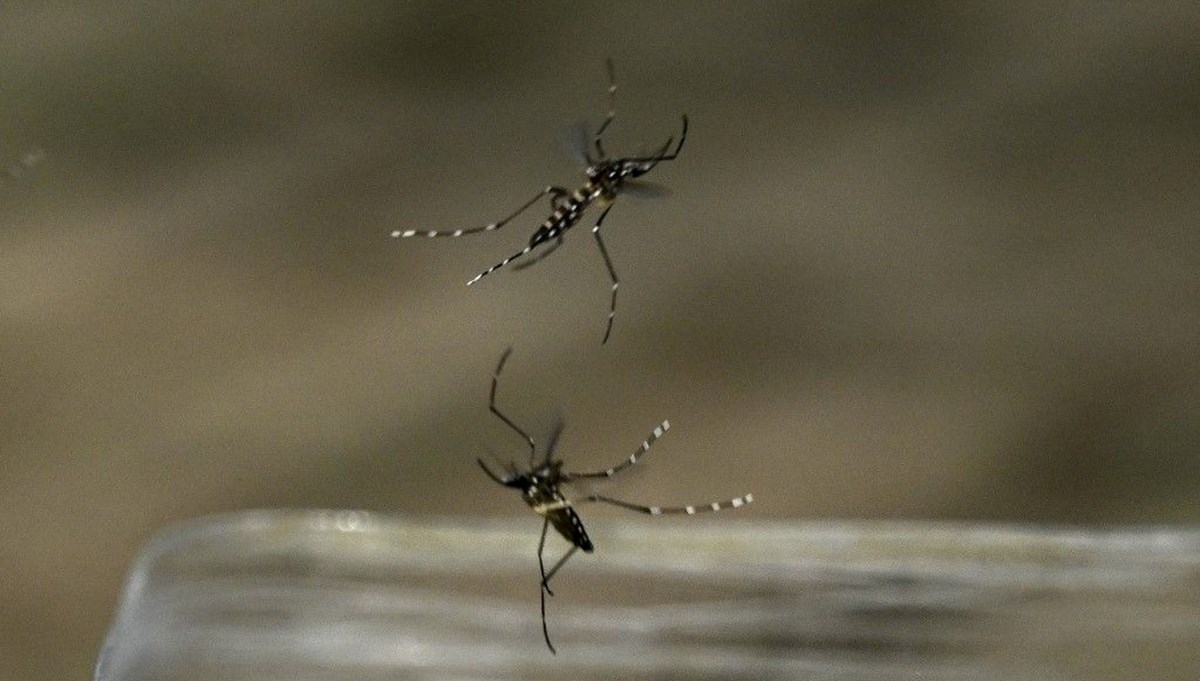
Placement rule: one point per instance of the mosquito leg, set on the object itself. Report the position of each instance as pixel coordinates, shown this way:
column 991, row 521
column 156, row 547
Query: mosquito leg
column 545, row 590
column 552, row 191
column 612, row 309
column 492, row 406
column 633, row 458
column 612, row 109
column 558, row 565
column 556, row 197
column 545, row 629
column 541, row 256
column 682, row 137
column 710, row 507
column 545, row 587
column 541, row 561
column 523, row 252
column 662, row 154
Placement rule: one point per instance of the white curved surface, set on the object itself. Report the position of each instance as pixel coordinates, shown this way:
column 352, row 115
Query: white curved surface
column 350, row 595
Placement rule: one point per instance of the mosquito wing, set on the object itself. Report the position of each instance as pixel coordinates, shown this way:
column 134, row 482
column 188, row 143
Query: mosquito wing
column 578, row 142
column 641, row 189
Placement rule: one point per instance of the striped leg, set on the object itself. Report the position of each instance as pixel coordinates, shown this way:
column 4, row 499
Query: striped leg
column 492, row 407
column 612, row 109
column 612, row 273
column 540, row 256
column 553, row 192
column 523, row 252
column 736, row 502
column 633, row 458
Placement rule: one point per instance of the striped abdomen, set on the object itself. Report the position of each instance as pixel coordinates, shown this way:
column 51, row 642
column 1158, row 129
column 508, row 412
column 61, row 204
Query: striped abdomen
column 567, row 214
column 546, row 499
column 569, row 525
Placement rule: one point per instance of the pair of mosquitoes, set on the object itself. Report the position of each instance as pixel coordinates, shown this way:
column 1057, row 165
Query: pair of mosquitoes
column 543, row 481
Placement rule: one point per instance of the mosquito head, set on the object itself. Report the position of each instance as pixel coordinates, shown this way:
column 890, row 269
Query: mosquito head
column 518, row 481
column 640, row 168
column 550, row 469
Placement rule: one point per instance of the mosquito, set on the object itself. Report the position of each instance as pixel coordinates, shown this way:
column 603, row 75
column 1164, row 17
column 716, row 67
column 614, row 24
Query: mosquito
column 606, row 178
column 541, row 486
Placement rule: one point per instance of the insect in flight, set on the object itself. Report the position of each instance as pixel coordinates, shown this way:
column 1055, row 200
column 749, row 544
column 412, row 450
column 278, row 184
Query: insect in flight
column 541, row 486
column 606, row 178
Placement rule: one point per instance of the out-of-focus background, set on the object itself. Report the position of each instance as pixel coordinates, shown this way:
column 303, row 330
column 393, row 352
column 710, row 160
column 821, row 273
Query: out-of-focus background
column 921, row 260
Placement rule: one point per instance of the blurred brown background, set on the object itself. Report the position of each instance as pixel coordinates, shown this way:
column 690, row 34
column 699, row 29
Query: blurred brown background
column 922, row 260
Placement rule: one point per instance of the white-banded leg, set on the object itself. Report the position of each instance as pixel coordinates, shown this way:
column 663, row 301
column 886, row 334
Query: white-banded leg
column 554, row 192
column 495, row 410
column 633, row 458
column 612, row 273
column 540, row 256
column 712, row 506
column 612, row 109
column 523, row 252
